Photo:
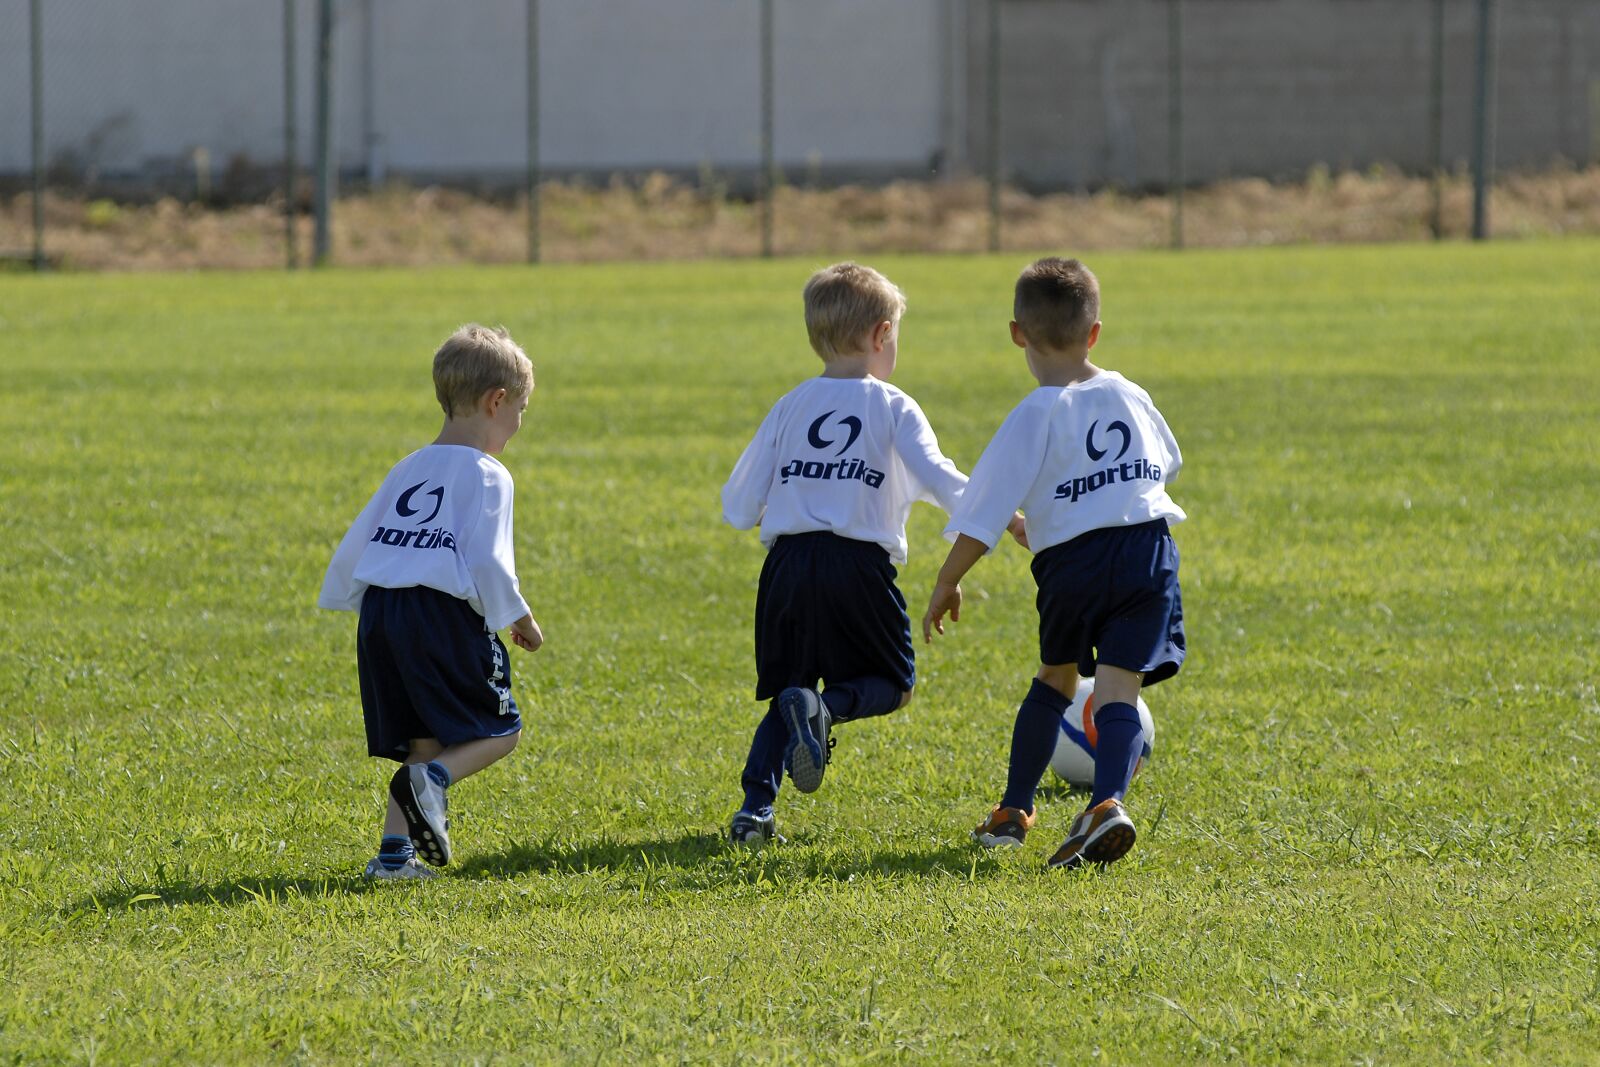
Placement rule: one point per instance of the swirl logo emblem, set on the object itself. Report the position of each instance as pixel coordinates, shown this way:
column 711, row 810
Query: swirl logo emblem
column 1098, row 454
column 814, row 435
column 405, row 510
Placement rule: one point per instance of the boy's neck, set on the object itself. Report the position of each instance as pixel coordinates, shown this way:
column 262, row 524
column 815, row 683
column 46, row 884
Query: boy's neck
column 1061, row 368
column 468, row 432
column 846, row 367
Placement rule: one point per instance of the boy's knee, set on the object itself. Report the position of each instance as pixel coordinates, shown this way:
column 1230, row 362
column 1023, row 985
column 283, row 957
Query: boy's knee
column 1063, row 678
column 905, row 698
column 508, row 742
column 423, row 750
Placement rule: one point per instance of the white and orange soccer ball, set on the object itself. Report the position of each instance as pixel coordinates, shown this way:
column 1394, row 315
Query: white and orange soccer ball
column 1073, row 760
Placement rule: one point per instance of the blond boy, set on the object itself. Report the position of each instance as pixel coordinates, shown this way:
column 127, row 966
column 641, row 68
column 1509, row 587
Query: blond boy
column 830, row 477
column 428, row 564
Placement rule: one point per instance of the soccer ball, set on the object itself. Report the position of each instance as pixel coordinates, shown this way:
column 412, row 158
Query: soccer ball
column 1073, row 760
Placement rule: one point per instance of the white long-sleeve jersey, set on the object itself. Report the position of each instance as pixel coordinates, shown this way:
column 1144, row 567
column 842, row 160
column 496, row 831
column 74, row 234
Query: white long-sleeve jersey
column 847, row 455
column 1074, row 458
column 442, row 518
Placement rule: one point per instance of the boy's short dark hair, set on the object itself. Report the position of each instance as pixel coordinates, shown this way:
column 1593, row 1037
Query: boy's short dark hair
column 1057, row 303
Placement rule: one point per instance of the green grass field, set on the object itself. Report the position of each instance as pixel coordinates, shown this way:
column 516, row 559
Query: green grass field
column 1369, row 833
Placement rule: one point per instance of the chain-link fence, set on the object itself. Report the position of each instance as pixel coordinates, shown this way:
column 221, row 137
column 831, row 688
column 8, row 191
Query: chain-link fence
column 269, row 132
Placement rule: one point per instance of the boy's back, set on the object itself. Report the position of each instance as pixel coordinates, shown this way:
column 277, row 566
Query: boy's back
column 844, row 455
column 1091, row 455
column 441, row 519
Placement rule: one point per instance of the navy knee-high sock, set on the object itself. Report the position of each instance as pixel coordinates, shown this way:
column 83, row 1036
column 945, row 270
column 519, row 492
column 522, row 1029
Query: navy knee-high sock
column 763, row 769
column 861, row 698
column 1116, row 751
column 1033, row 742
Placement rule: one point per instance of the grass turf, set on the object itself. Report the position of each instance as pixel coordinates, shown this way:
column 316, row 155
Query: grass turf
column 1368, row 833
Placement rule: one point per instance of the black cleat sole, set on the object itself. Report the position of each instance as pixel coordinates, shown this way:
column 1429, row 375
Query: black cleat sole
column 432, row 849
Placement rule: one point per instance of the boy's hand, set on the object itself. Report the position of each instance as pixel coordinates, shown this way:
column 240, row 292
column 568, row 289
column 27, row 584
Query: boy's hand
column 946, row 597
column 1018, row 529
column 525, row 633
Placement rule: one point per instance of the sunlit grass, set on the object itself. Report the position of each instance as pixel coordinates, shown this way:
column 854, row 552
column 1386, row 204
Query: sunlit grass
column 1368, row 832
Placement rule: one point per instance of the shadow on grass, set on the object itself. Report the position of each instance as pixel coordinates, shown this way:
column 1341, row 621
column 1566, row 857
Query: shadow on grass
column 705, row 857
column 236, row 891
column 690, row 859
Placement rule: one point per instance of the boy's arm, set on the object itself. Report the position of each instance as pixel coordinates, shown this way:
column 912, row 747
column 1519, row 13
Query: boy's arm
column 744, row 497
column 947, row 587
column 490, row 559
column 525, row 633
column 1002, row 477
column 939, row 479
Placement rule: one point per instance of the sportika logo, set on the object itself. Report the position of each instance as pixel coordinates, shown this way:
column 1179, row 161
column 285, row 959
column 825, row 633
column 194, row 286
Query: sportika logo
column 845, row 470
column 424, row 538
column 1137, row 470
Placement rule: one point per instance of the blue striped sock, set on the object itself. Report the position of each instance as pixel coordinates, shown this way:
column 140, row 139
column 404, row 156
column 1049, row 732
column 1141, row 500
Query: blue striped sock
column 393, row 851
column 439, row 773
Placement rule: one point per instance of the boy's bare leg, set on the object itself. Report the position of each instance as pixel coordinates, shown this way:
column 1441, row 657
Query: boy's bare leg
column 419, row 793
column 1113, row 685
column 470, row 757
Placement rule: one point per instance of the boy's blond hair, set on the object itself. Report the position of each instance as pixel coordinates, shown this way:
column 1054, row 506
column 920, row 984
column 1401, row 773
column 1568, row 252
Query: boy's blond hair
column 846, row 301
column 1057, row 303
column 474, row 360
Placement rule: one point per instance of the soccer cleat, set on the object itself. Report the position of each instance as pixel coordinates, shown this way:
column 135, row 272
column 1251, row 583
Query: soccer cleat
column 408, row 870
column 753, row 830
column 1102, row 834
column 808, row 720
column 1004, row 828
column 424, row 805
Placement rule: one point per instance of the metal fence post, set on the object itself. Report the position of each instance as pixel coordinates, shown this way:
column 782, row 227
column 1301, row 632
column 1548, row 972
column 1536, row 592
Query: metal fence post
column 534, row 175
column 290, row 162
column 1175, row 178
column 369, row 95
column 1436, row 122
column 36, row 66
column 1483, row 124
column 324, row 151
column 993, row 147
column 766, row 182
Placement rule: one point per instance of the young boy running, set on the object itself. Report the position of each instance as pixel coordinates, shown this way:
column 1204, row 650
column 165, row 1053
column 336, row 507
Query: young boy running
column 428, row 564
column 831, row 476
column 1087, row 457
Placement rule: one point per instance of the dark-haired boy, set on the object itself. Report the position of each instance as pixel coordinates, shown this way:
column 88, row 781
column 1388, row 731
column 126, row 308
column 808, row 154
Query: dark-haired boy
column 1087, row 457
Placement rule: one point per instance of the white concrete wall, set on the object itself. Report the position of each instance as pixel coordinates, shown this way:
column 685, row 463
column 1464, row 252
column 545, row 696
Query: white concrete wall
column 625, row 83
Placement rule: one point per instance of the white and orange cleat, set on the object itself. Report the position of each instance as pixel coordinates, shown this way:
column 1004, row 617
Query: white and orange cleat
column 1102, row 834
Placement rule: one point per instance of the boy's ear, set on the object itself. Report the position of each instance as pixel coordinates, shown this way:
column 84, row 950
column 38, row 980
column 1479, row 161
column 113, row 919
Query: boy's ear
column 881, row 334
column 491, row 400
column 1094, row 334
column 1018, row 338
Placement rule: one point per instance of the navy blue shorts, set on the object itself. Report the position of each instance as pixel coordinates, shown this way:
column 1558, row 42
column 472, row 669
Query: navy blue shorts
column 1111, row 596
column 430, row 668
column 827, row 608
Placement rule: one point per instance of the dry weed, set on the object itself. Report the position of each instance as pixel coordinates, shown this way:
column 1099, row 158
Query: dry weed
column 659, row 218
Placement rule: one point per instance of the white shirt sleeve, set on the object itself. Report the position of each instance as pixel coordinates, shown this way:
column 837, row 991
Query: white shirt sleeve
column 744, row 497
column 938, row 480
column 1003, row 475
column 489, row 554
column 340, row 590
